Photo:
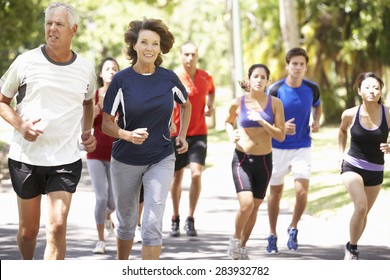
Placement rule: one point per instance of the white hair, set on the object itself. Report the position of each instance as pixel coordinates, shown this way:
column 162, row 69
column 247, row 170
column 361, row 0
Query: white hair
column 72, row 13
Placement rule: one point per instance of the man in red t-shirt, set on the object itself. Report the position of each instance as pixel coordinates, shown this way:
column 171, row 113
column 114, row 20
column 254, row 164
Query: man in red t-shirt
column 201, row 92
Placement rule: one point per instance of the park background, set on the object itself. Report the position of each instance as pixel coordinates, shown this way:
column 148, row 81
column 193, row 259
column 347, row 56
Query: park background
column 343, row 38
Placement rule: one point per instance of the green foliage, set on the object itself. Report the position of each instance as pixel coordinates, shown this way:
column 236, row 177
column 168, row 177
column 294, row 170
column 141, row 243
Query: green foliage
column 346, row 38
column 261, row 36
column 199, row 22
column 11, row 13
column 342, row 38
column 19, row 22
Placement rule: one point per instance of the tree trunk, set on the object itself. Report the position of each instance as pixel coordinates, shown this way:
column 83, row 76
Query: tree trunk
column 289, row 24
column 235, row 50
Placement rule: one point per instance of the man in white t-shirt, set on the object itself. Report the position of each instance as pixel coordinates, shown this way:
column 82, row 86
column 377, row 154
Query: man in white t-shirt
column 53, row 88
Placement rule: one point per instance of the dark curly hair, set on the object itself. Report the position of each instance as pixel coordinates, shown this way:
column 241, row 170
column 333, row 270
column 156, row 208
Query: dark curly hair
column 131, row 36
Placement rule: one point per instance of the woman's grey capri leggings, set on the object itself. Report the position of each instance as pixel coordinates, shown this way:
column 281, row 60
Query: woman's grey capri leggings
column 126, row 183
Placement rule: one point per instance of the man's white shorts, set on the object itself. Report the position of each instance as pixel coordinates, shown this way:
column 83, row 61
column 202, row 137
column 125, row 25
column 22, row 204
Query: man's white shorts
column 296, row 161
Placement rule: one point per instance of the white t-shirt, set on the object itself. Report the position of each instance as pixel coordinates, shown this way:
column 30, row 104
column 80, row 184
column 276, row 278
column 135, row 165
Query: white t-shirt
column 55, row 93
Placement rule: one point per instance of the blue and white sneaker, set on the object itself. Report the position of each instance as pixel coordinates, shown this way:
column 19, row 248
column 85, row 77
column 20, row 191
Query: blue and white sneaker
column 292, row 243
column 272, row 247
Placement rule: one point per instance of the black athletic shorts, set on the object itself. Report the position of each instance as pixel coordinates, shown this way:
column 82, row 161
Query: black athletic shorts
column 30, row 181
column 251, row 173
column 197, row 150
column 370, row 178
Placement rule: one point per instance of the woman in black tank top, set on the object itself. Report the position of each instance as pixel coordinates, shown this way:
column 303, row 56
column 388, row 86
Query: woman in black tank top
column 363, row 165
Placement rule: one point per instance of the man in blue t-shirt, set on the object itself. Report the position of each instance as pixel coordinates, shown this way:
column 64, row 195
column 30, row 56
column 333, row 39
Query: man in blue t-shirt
column 300, row 97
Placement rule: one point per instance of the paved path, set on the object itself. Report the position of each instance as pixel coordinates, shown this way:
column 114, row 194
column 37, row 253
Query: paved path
column 320, row 238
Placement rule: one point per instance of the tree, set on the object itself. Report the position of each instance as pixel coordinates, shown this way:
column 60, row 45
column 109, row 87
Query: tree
column 347, row 38
column 19, row 21
column 103, row 23
column 235, row 51
column 289, row 24
column 341, row 37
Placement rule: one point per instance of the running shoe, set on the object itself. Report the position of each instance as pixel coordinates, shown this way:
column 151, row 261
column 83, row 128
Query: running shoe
column 351, row 254
column 292, row 243
column 109, row 227
column 189, row 227
column 137, row 235
column 234, row 248
column 100, row 248
column 244, row 253
column 272, row 247
column 175, row 227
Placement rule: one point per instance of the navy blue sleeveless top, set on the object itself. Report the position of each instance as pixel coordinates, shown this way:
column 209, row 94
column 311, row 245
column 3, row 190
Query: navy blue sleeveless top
column 267, row 114
column 365, row 143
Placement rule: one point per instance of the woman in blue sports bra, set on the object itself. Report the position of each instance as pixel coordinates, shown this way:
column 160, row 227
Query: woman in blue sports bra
column 260, row 118
column 362, row 166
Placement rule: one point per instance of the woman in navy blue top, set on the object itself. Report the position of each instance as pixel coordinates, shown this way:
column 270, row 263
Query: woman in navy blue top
column 363, row 165
column 137, row 112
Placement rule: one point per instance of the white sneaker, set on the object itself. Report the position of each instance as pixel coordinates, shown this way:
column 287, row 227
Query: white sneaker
column 109, row 227
column 244, row 253
column 100, row 248
column 138, row 236
column 234, row 248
